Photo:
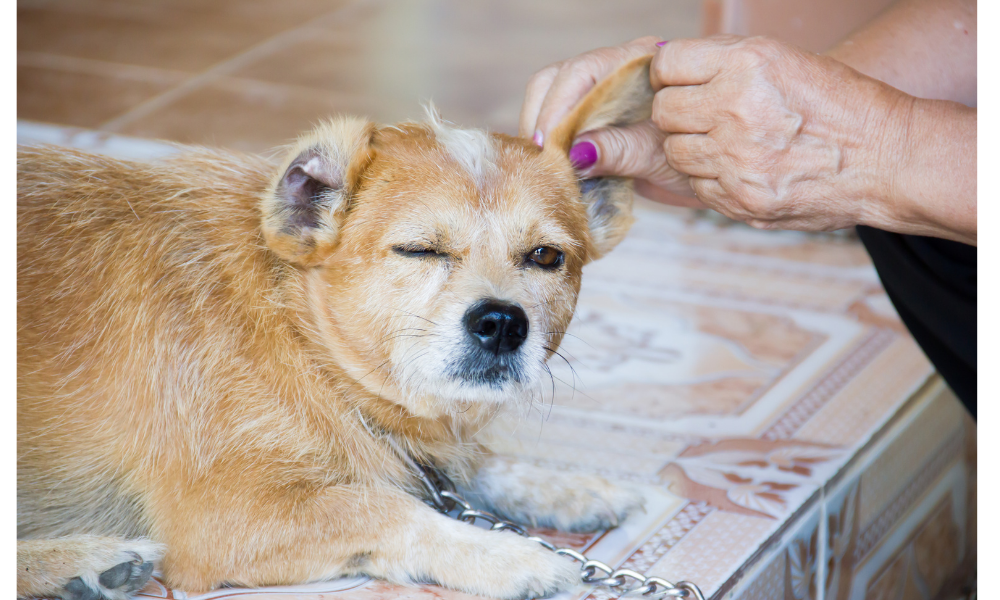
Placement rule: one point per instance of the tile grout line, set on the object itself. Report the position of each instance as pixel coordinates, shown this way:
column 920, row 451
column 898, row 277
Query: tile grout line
column 821, row 545
column 229, row 65
column 102, row 68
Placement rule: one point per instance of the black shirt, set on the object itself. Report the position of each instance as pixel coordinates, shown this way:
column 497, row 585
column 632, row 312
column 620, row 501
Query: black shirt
column 932, row 284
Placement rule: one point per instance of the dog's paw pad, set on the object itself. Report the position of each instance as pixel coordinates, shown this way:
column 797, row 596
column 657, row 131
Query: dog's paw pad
column 76, row 589
column 128, row 575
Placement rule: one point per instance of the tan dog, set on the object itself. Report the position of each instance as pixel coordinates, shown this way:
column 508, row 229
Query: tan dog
column 213, row 355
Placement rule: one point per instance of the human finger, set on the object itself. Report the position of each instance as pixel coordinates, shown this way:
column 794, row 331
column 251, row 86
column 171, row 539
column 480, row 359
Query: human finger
column 691, row 61
column 632, row 151
column 534, row 94
column 709, row 191
column 692, row 154
column 685, row 109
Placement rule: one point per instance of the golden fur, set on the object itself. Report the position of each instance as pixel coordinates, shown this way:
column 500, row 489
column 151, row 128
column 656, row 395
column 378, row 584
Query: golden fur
column 208, row 371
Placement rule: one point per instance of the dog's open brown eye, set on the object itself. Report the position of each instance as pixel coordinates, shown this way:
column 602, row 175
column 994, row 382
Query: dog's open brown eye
column 546, row 257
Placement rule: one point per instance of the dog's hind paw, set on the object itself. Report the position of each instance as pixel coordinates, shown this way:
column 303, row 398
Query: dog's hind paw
column 117, row 583
column 84, row 567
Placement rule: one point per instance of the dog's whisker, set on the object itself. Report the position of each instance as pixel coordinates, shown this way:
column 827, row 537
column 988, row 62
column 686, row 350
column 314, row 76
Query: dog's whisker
column 358, row 381
column 406, row 335
column 414, row 315
column 573, row 371
column 552, row 402
column 542, row 303
column 570, row 335
column 560, row 348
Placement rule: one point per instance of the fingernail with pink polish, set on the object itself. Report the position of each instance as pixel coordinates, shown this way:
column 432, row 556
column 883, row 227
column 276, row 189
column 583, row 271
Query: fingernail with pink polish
column 583, row 155
column 538, row 139
column 662, row 44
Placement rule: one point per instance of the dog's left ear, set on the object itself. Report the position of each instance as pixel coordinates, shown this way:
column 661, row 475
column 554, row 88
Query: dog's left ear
column 306, row 204
column 623, row 98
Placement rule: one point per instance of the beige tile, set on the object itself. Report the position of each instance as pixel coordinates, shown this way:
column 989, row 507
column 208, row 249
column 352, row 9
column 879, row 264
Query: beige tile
column 879, row 386
column 176, row 34
column 78, row 99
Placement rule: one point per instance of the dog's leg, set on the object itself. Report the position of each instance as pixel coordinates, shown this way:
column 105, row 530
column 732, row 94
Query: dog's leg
column 250, row 539
column 84, row 567
column 539, row 497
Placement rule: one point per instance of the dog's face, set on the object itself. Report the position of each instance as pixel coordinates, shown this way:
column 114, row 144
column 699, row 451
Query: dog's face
column 442, row 265
column 458, row 266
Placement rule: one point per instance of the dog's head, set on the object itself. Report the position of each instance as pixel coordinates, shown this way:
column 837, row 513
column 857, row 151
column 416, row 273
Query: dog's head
column 441, row 265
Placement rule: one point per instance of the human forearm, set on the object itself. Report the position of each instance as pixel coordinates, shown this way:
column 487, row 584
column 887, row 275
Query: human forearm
column 932, row 188
column 926, row 48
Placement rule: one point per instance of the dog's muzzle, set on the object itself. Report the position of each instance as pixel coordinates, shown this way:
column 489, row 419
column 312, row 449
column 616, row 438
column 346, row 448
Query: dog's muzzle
column 495, row 330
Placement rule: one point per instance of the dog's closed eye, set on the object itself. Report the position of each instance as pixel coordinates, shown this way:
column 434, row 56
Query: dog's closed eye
column 418, row 251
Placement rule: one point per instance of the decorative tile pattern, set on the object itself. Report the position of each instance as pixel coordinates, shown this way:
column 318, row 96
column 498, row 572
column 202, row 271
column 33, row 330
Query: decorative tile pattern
column 769, row 583
column 930, row 472
column 665, row 539
column 832, row 382
column 895, row 525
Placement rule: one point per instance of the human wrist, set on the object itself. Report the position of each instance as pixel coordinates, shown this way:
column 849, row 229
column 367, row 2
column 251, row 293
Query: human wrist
column 888, row 135
column 924, row 160
column 872, row 144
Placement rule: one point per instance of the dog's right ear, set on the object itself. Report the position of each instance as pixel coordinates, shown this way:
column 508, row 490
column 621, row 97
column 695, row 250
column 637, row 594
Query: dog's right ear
column 306, row 204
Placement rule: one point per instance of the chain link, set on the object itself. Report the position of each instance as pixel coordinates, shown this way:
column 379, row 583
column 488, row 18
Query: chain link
column 442, row 496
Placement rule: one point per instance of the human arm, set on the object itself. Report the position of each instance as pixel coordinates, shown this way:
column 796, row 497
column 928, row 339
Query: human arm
column 940, row 185
column 926, row 48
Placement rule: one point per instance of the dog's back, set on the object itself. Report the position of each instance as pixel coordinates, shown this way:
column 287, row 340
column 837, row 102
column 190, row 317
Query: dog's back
column 106, row 249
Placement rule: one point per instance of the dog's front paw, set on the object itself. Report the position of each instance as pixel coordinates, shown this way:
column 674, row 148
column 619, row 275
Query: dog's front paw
column 566, row 501
column 516, row 568
column 583, row 503
column 594, row 503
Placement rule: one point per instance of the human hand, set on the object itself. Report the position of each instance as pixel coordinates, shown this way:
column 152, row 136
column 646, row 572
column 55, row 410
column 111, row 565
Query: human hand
column 635, row 151
column 778, row 137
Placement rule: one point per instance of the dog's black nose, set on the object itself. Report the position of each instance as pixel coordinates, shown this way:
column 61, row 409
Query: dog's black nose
column 497, row 326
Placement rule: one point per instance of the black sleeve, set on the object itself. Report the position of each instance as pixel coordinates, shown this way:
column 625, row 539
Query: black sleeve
column 932, row 284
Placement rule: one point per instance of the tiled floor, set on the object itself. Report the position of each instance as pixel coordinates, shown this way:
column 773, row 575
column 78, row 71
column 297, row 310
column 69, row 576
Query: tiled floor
column 250, row 74
column 792, row 440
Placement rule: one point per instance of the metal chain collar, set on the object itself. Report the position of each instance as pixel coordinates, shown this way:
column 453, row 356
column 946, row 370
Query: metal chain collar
column 443, row 497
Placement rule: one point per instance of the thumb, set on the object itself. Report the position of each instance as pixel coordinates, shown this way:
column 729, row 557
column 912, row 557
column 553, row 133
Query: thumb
column 632, row 151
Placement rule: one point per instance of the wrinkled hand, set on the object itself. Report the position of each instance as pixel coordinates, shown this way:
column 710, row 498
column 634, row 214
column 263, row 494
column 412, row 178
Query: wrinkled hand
column 759, row 130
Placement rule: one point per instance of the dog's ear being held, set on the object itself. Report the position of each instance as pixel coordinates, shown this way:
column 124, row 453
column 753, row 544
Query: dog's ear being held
column 307, row 201
column 623, row 98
